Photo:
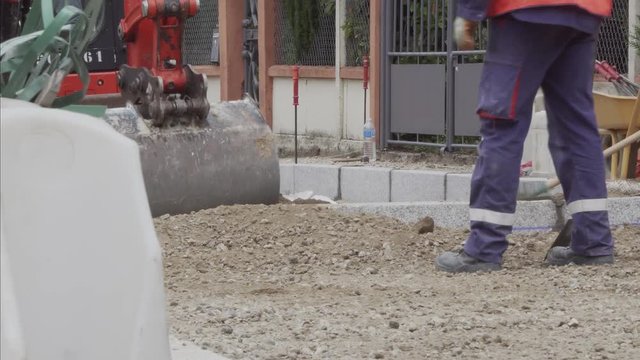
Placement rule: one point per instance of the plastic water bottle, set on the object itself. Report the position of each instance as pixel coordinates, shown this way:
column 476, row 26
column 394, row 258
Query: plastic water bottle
column 369, row 153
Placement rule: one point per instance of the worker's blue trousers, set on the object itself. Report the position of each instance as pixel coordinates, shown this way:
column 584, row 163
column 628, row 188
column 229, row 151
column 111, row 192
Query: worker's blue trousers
column 521, row 58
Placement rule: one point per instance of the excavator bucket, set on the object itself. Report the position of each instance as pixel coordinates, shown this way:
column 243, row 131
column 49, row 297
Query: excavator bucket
column 194, row 155
column 230, row 159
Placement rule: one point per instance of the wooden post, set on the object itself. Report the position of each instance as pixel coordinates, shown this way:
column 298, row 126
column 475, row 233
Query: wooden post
column 375, row 43
column 266, row 51
column 230, row 15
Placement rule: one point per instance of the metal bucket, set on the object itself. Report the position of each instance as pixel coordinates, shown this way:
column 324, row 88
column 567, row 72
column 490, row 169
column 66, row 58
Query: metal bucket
column 231, row 159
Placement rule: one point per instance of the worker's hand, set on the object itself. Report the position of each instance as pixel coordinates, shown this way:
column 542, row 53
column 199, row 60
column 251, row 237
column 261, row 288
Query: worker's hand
column 464, row 32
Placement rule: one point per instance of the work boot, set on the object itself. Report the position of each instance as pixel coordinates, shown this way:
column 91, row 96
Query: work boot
column 561, row 255
column 457, row 262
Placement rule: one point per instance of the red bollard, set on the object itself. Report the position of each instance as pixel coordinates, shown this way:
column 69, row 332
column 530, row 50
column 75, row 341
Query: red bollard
column 365, row 76
column 365, row 82
column 296, row 76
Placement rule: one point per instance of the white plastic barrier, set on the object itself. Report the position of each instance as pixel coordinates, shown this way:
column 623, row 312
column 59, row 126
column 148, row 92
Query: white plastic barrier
column 77, row 234
column 11, row 344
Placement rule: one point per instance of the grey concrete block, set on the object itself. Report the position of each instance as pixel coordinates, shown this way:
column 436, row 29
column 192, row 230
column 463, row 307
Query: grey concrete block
column 530, row 215
column 458, row 187
column 417, row 185
column 321, row 179
column 365, row 184
column 448, row 215
column 537, row 215
column 286, row 179
column 622, row 210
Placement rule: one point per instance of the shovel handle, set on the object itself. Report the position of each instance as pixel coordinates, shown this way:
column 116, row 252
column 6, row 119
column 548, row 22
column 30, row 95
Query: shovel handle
column 551, row 183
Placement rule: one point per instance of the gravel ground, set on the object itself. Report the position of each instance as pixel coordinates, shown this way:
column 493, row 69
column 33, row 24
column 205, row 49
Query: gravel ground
column 305, row 282
column 461, row 161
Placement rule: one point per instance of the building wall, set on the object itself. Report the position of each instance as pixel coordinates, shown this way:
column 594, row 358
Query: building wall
column 354, row 109
column 319, row 111
column 213, row 89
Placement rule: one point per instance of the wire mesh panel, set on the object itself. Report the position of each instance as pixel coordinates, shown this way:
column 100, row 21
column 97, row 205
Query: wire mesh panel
column 613, row 41
column 199, row 32
column 305, row 32
column 356, row 31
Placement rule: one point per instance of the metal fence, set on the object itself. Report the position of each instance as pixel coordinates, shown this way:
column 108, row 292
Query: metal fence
column 201, row 31
column 429, row 88
column 305, row 32
column 613, row 41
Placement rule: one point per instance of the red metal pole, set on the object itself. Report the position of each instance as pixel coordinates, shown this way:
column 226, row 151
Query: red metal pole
column 365, row 82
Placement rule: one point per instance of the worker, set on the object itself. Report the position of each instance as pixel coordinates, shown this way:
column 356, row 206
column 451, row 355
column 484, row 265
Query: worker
column 533, row 44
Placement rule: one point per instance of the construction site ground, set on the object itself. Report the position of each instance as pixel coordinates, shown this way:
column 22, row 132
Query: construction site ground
column 291, row 281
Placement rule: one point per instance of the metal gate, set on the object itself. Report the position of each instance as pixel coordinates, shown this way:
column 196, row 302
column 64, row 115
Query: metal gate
column 429, row 89
column 250, row 49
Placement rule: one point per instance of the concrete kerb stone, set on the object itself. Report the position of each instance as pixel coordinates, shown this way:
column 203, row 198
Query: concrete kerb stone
column 321, row 179
column 444, row 214
column 537, row 215
column 417, row 185
column 458, row 187
column 365, row 184
column 370, row 189
column 286, row 179
column 622, row 211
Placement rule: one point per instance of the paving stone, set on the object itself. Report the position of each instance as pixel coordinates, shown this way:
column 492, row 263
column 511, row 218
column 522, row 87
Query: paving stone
column 537, row 215
column 319, row 178
column 365, row 184
column 286, row 179
column 458, row 187
column 417, row 185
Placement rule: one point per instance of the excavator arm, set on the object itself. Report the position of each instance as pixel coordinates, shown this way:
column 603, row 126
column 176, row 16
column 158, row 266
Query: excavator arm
column 155, row 80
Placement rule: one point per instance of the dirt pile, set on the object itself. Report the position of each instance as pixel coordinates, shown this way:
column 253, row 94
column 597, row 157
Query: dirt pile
column 305, row 282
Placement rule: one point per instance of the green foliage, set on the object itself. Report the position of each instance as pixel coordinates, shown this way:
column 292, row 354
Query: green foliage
column 33, row 65
column 635, row 37
column 356, row 31
column 303, row 19
column 302, row 16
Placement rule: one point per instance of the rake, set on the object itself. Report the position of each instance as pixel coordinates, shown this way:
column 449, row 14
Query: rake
column 623, row 85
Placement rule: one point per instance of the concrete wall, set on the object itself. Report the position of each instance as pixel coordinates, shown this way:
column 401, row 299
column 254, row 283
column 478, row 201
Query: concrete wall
column 319, row 112
column 354, row 108
column 213, row 89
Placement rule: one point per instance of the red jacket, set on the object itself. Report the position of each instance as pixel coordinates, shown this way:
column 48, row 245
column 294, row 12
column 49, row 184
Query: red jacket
column 596, row 7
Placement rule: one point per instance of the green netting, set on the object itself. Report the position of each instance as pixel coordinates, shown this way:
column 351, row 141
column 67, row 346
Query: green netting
column 50, row 46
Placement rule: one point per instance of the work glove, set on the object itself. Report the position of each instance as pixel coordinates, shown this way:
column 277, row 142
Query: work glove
column 464, row 33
